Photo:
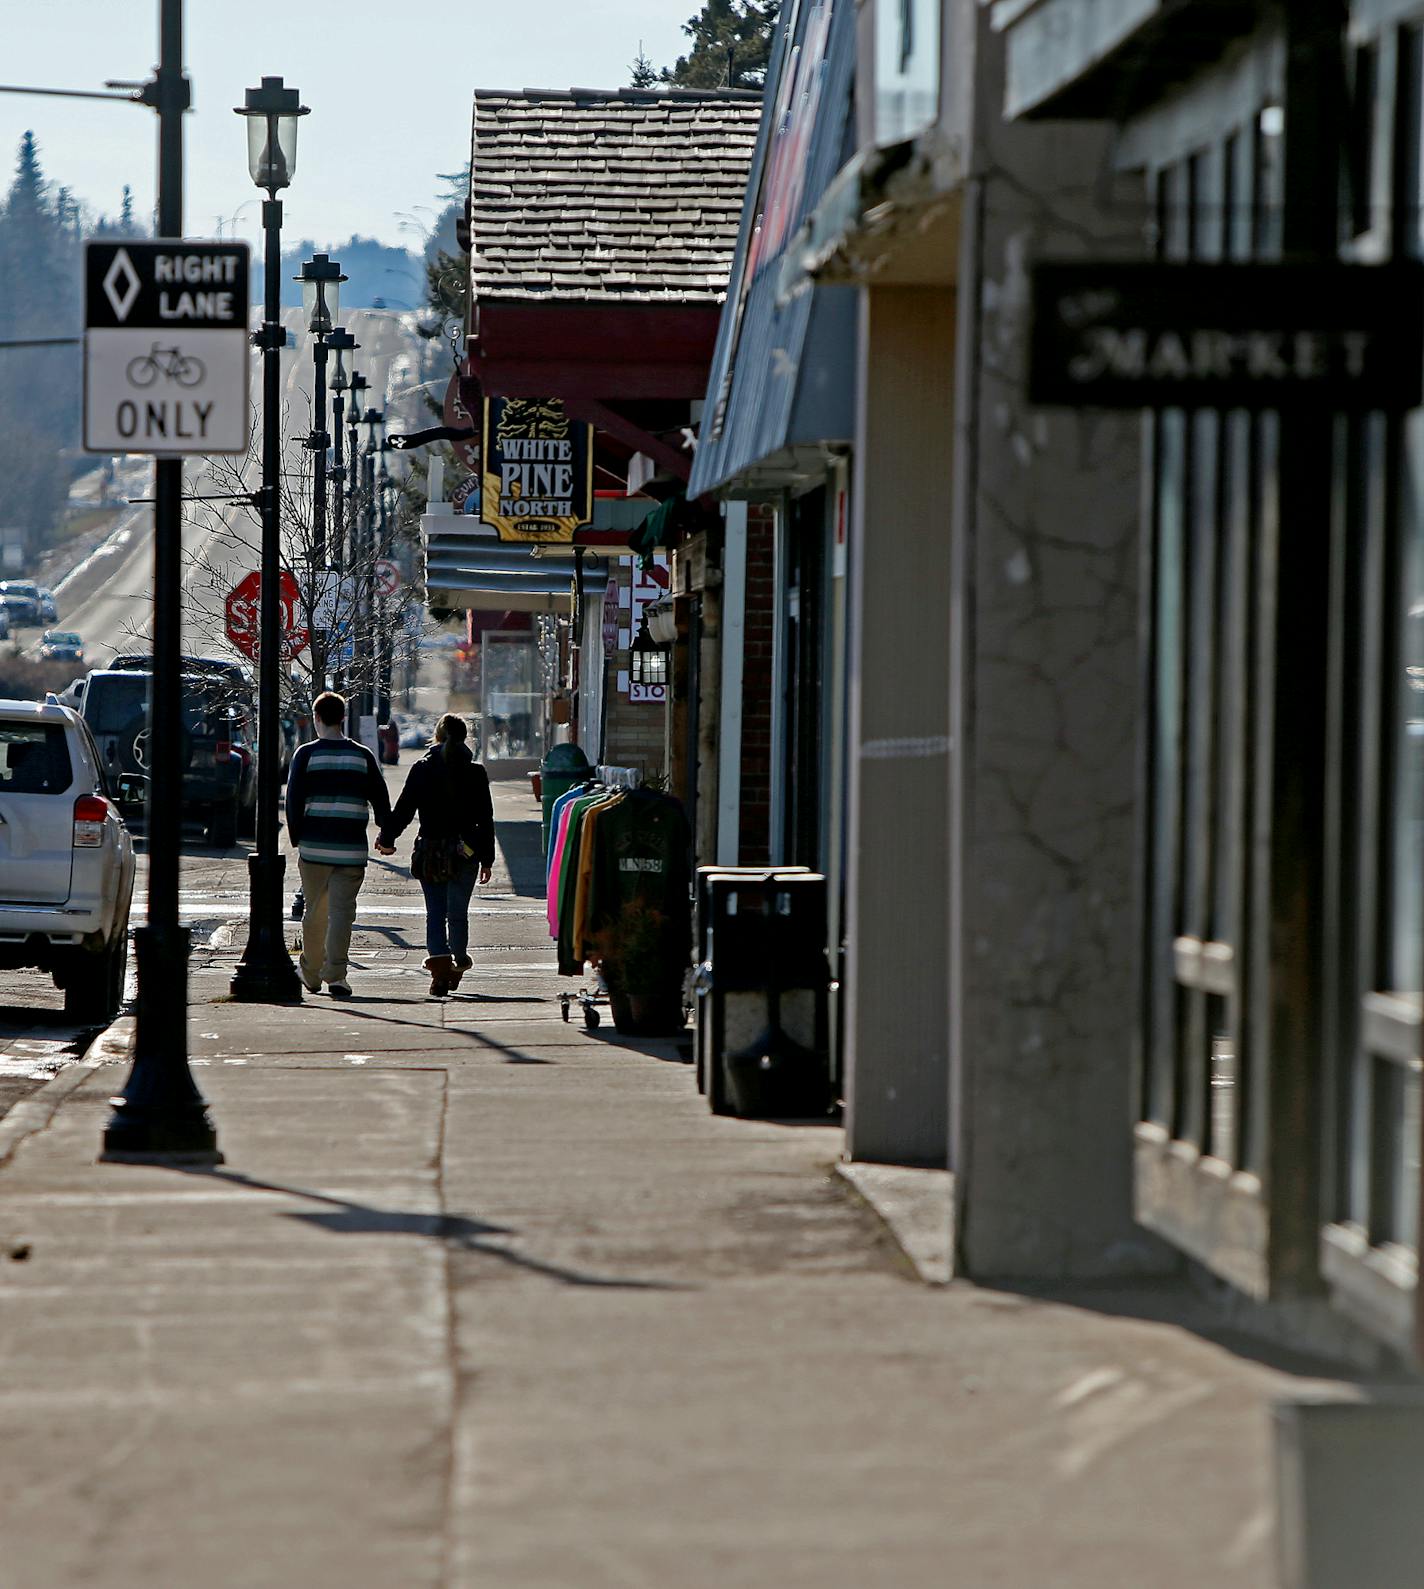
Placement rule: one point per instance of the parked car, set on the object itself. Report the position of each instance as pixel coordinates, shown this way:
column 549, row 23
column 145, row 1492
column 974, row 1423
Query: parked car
column 22, row 597
column 66, row 857
column 61, row 645
column 49, row 609
column 219, row 773
column 4, row 620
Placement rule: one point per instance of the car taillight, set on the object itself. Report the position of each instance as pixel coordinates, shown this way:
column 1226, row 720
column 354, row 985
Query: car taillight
column 90, row 812
column 221, row 751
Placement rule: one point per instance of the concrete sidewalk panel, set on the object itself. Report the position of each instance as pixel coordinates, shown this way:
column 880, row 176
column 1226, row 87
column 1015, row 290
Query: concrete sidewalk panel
column 274, row 1336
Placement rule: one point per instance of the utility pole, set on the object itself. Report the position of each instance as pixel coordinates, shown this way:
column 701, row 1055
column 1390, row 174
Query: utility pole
column 161, row 1114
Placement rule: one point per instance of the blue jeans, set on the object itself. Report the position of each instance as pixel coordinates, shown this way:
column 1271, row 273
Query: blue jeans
column 447, row 911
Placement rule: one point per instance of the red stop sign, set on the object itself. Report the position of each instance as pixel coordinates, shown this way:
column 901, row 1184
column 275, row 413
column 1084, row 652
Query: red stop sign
column 244, row 607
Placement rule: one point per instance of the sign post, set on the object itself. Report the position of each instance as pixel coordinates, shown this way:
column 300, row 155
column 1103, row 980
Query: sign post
column 161, row 1114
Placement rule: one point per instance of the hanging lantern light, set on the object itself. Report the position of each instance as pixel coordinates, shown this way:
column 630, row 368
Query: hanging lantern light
column 647, row 660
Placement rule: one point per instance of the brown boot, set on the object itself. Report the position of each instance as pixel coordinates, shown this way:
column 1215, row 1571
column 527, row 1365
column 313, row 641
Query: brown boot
column 459, row 966
column 440, row 968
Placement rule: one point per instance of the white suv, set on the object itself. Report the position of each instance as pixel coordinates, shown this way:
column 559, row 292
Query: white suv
column 66, row 858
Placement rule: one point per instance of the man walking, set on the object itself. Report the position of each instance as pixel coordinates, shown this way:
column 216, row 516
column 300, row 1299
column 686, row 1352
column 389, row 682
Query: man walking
column 333, row 785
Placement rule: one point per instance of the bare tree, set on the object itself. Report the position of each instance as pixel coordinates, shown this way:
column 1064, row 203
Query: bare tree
column 356, row 629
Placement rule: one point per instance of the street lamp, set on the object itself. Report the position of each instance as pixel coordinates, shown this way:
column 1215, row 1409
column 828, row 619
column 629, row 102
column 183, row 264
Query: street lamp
column 321, row 280
column 373, row 422
column 355, row 404
column 341, row 343
column 265, row 974
column 647, row 660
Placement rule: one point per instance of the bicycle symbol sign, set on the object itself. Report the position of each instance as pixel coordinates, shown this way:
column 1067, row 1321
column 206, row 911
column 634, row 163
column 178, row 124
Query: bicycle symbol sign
column 166, row 348
column 169, row 364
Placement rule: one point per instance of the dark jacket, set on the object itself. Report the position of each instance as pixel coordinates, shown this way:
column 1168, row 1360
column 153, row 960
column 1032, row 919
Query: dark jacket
column 452, row 799
column 330, row 785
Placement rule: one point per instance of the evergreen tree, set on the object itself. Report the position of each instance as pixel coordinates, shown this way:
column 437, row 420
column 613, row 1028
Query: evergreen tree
column 39, row 387
column 643, row 73
column 126, row 213
column 731, row 42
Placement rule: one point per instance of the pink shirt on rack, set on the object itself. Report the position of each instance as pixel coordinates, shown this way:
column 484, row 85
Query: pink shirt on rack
column 556, row 861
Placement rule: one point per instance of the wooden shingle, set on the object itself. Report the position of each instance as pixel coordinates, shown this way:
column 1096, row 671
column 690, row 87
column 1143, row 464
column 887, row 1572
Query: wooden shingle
column 618, row 196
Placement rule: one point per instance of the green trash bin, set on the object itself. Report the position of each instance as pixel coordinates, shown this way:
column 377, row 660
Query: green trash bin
column 561, row 769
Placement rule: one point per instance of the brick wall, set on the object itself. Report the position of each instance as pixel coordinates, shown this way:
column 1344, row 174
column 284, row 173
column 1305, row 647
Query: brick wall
column 756, row 686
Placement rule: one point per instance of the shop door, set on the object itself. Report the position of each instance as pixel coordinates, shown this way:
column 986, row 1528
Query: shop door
column 511, row 715
column 804, row 673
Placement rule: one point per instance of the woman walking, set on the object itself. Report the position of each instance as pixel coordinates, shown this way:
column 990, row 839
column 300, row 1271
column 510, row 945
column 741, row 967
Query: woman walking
column 454, row 845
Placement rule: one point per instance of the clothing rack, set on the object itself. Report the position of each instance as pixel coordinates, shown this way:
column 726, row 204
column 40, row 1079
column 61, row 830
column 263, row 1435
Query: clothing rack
column 615, row 846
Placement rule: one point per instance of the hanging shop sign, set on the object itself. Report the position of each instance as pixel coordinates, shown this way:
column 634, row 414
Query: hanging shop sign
column 1261, row 336
column 538, row 469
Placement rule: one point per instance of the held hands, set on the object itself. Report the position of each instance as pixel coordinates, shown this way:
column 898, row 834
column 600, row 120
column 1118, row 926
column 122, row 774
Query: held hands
column 384, row 849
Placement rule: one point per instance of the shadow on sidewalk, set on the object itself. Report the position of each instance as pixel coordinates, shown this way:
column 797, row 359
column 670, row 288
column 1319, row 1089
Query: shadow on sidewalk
column 515, row 1056
column 454, row 1230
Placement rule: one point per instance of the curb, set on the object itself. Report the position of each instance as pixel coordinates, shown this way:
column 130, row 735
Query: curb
column 111, row 1047
column 916, row 1207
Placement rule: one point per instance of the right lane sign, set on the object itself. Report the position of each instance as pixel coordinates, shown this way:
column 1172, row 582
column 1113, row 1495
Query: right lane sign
column 166, row 347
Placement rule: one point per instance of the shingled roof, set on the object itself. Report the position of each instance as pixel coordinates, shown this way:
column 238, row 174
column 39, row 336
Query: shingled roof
column 608, row 196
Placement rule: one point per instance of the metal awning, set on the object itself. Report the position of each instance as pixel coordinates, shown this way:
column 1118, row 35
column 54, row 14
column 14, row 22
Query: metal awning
column 465, row 567
column 782, row 385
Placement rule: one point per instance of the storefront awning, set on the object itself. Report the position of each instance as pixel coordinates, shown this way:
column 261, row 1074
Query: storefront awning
column 477, row 571
column 781, row 396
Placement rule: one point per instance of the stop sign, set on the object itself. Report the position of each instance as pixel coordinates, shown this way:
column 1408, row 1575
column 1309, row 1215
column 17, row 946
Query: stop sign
column 244, row 605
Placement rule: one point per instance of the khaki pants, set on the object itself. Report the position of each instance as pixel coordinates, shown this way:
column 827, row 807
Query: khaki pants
column 328, row 919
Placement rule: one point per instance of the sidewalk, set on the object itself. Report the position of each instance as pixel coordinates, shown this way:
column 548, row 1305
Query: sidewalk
column 482, row 1299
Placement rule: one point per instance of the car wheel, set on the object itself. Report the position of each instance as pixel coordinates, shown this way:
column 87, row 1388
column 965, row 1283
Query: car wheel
column 222, row 826
column 96, row 988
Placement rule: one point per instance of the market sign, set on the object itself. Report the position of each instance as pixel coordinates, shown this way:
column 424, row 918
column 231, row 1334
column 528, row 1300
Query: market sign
column 1259, row 336
column 538, row 469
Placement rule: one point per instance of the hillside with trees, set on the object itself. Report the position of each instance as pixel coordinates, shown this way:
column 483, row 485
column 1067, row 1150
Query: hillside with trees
column 42, row 230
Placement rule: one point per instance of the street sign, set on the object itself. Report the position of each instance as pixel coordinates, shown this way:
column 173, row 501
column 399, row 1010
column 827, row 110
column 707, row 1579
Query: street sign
column 166, row 349
column 244, row 606
column 1253, row 336
column 387, row 576
column 335, row 599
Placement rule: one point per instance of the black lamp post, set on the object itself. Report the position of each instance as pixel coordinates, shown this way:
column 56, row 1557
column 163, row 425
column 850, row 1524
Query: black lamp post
column 374, row 423
column 265, row 974
column 321, row 280
column 341, row 343
column 355, row 406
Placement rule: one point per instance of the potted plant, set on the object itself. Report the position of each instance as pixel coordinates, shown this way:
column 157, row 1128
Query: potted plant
column 643, row 975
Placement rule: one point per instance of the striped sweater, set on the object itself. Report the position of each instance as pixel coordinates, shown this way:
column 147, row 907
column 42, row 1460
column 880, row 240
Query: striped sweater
column 329, row 787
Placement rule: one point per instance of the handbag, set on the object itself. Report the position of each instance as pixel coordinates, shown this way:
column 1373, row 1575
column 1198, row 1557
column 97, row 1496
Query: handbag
column 434, row 860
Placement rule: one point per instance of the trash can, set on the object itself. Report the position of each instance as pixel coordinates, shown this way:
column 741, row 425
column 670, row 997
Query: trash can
column 702, row 934
column 561, row 769
column 765, row 985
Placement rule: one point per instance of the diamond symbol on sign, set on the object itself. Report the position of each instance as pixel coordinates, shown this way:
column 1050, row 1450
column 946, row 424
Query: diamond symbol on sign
column 121, row 284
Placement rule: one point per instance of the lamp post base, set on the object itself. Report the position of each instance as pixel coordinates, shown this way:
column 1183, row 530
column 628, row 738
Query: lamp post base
column 265, row 974
column 160, row 1117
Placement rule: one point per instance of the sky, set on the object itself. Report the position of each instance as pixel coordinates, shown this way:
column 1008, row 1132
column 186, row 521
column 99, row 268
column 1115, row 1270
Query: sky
column 388, row 82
